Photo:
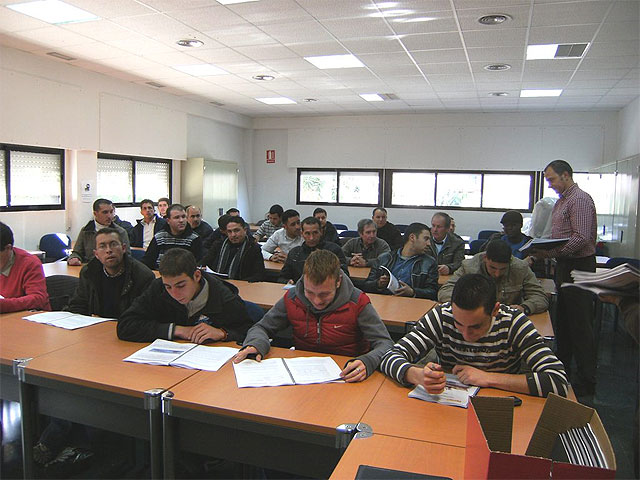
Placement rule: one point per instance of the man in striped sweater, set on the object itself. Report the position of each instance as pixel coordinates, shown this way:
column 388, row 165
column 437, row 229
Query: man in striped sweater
column 483, row 342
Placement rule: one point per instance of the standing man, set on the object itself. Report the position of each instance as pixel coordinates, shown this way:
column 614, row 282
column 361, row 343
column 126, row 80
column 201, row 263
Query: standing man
column 237, row 255
column 22, row 283
column 446, row 247
column 282, row 241
column 416, row 271
column 147, row 226
column 198, row 225
column 271, row 225
column 103, row 213
column 328, row 231
column 363, row 251
column 163, row 204
column 573, row 217
column 328, row 315
column 311, row 233
column 176, row 234
column 387, row 231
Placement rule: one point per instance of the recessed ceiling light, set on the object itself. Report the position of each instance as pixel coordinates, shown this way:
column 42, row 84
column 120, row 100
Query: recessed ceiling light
column 276, row 100
column 372, row 97
column 540, row 93
column 61, row 56
column 335, row 61
column 231, row 2
column 201, row 70
column 264, row 78
column 190, row 42
column 497, row 67
column 498, row 94
column 53, row 11
column 494, row 19
column 541, row 52
column 309, row 100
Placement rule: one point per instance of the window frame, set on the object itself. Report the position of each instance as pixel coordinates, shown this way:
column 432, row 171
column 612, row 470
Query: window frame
column 338, row 172
column 134, row 160
column 8, row 148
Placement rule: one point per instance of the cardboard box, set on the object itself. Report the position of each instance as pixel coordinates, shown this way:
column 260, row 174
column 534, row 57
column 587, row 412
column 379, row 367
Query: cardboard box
column 489, row 428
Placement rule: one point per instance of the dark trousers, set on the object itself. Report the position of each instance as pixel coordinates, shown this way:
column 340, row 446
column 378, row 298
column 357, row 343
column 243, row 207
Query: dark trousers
column 574, row 323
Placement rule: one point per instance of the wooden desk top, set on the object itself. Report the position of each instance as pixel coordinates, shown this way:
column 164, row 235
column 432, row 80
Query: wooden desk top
column 273, row 266
column 315, row 408
column 354, row 272
column 542, row 322
column 97, row 363
column 393, row 413
column 265, row 294
column 61, row 268
column 400, row 454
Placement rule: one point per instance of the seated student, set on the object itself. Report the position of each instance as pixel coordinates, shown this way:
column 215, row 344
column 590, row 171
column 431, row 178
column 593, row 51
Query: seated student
column 103, row 213
column 111, row 280
column 163, row 204
column 22, row 283
column 329, row 315
column 234, row 212
column 269, row 226
column 237, row 255
column 363, row 251
column 176, row 234
column 446, row 247
column 480, row 340
column 415, row 270
column 126, row 226
column 512, row 225
column 147, row 226
column 282, row 241
column 197, row 224
column 387, row 231
column 328, row 231
column 516, row 285
column 185, row 304
column 294, row 265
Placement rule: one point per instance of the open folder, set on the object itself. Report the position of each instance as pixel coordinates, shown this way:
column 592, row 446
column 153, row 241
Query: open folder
column 275, row 372
column 184, row 355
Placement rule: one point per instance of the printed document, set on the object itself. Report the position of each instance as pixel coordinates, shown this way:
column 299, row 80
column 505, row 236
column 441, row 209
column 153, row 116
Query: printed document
column 184, row 355
column 67, row 320
column 394, row 283
column 455, row 393
column 274, row 372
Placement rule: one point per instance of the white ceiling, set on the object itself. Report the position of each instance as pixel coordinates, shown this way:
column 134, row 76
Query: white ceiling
column 432, row 66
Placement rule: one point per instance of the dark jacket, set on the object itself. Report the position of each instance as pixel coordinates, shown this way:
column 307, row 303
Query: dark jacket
column 294, row 265
column 330, row 234
column 164, row 240
column 88, row 299
column 251, row 263
column 125, row 225
column 204, row 230
column 390, row 234
column 86, row 241
column 424, row 276
column 137, row 233
column 451, row 254
column 154, row 314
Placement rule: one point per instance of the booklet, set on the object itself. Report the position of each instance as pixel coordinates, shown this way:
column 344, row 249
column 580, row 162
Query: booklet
column 455, row 393
column 184, row 355
column 67, row 320
column 274, row 372
column 394, row 283
column 543, row 243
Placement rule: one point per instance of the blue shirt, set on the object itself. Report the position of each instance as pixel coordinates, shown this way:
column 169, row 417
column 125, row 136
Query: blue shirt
column 403, row 267
column 515, row 246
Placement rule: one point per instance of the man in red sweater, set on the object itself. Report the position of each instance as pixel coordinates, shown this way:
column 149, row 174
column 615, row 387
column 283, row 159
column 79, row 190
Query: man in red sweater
column 22, row 284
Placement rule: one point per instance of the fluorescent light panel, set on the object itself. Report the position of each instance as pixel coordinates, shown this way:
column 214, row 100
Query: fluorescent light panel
column 201, row 70
column 324, row 62
column 540, row 93
column 372, row 97
column 276, row 100
column 53, row 11
column 542, row 52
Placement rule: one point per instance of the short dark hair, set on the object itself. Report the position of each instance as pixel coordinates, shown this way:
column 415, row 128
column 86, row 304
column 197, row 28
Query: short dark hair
column 232, row 210
column 223, row 220
column 560, row 166
column 415, row 228
column 101, row 201
column 6, row 235
column 289, row 214
column 474, row 290
column 235, row 219
column 373, row 213
column 320, row 265
column 498, row 251
column 107, row 231
column 319, row 210
column 175, row 206
column 176, row 262
column 146, row 200
column 311, row 221
column 276, row 210
column 164, row 199
column 445, row 216
column 365, row 222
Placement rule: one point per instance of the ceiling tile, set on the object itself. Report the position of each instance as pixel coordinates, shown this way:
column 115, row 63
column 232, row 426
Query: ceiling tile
column 207, row 18
column 615, row 31
column 553, row 77
column 434, row 23
column 558, row 64
column 562, row 34
column 445, row 68
column 218, row 55
column 344, row 28
column 385, row 59
column 317, row 49
column 12, row 21
column 569, row 14
column 494, row 54
column 624, row 10
column 373, row 45
column 432, row 41
column 509, row 37
column 299, row 32
column 613, row 49
column 627, row 61
column 273, row 11
column 240, row 35
column 112, row 8
column 266, row 52
column 52, row 36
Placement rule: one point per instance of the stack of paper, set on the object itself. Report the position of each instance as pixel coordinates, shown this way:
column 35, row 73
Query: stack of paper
column 67, row 320
column 275, row 372
column 184, row 355
column 621, row 280
column 580, row 446
column 455, row 393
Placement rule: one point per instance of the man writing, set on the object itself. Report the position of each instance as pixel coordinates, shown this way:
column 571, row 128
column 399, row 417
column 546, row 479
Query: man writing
column 516, row 285
column 446, row 247
column 481, row 341
column 185, row 304
column 147, row 226
column 387, row 231
column 282, row 241
column 415, row 270
column 327, row 314
column 103, row 213
column 237, row 255
column 363, row 251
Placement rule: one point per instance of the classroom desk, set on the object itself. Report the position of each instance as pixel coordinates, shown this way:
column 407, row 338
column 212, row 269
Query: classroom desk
column 360, row 273
column 61, row 268
column 288, row 428
column 400, row 454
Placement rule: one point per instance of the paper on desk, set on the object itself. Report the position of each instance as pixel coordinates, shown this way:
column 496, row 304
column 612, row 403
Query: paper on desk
column 275, row 372
column 456, row 393
column 307, row 370
column 185, row 355
column 160, row 352
column 67, row 320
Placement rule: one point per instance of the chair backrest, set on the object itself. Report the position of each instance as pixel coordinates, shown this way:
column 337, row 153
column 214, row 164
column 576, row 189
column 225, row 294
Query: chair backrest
column 340, row 226
column 137, row 254
column 474, row 246
column 255, row 311
column 615, row 261
column 54, row 245
column 402, row 227
column 348, row 234
column 60, row 289
column 485, row 234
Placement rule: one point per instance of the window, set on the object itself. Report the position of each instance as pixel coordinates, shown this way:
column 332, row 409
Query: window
column 601, row 187
column 31, row 178
column 459, row 190
column 413, row 188
column 128, row 180
column 339, row 186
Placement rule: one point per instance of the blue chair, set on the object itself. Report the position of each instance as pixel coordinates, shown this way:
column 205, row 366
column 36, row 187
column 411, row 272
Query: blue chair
column 255, row 311
column 485, row 234
column 137, row 254
column 614, row 262
column 475, row 245
column 402, row 227
column 54, row 246
column 340, row 226
column 348, row 234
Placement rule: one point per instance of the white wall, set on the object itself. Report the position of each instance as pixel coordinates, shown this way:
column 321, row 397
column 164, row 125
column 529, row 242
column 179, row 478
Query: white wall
column 440, row 141
column 629, row 130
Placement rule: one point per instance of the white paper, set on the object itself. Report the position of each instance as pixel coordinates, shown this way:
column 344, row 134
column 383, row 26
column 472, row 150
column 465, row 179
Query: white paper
column 205, row 357
column 306, row 370
column 67, row 320
column 394, row 284
column 160, row 352
column 456, row 393
column 267, row 373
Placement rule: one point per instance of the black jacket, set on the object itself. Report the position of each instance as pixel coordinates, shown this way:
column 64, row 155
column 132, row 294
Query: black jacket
column 88, row 300
column 164, row 240
column 294, row 265
column 151, row 314
column 330, row 234
column 390, row 234
column 251, row 263
column 137, row 233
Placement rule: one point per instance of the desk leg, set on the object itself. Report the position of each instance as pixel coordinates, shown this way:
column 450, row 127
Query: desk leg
column 168, row 431
column 28, row 416
column 152, row 404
